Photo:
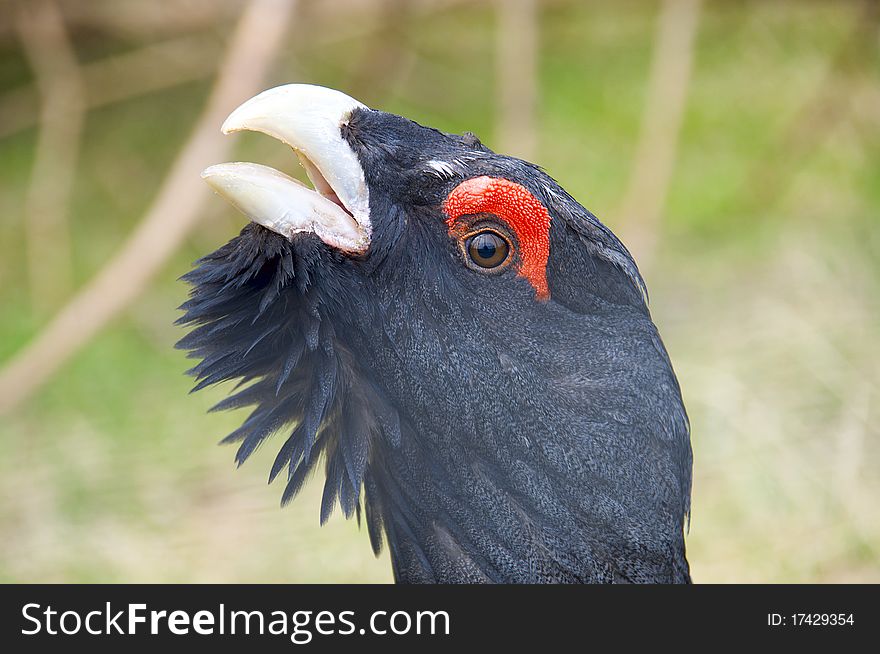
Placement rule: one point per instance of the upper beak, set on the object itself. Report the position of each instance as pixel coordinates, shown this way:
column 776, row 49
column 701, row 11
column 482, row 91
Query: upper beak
column 309, row 119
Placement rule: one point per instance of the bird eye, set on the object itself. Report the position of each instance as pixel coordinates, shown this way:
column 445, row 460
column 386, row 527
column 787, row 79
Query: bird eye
column 488, row 249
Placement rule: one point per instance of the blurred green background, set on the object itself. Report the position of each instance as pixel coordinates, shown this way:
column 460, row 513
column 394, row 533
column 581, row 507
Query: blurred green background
column 735, row 145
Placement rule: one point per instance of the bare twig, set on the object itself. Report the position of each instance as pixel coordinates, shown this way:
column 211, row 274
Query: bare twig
column 188, row 58
column 145, row 70
column 45, row 42
column 516, row 65
column 829, row 104
column 174, row 212
column 137, row 20
column 672, row 61
column 385, row 56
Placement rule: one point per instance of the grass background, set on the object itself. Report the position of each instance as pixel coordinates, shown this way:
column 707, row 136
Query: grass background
column 765, row 287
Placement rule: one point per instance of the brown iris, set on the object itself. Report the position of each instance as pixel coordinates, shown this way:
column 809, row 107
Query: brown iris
column 487, row 249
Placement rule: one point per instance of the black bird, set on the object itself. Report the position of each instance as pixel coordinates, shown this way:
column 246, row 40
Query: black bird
column 464, row 348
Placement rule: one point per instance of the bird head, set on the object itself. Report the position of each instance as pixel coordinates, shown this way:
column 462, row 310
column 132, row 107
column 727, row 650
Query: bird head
column 464, row 348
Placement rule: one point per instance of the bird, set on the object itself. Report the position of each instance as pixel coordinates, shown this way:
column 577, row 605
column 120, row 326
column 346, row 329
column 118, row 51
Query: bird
column 463, row 347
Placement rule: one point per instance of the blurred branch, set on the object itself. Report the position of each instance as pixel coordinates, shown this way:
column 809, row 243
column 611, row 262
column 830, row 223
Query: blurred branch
column 672, row 60
column 149, row 19
column 174, row 212
column 386, row 61
column 189, row 58
column 134, row 20
column 47, row 232
column 145, row 70
column 829, row 104
column 516, row 62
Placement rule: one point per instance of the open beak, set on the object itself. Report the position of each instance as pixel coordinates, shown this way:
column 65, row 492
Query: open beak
column 309, row 119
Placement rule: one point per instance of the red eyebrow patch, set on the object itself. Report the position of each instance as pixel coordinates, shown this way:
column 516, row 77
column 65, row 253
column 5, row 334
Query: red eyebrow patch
column 516, row 206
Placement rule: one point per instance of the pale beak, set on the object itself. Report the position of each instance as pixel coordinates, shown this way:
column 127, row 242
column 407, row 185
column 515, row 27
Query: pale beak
column 310, row 120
